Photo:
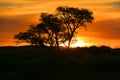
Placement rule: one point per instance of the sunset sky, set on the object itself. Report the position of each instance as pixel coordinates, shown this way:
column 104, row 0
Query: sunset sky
column 17, row 15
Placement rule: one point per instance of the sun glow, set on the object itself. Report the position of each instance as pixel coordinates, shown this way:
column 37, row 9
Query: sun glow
column 78, row 44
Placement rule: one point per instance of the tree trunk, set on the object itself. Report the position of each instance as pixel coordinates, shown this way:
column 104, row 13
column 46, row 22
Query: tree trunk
column 57, row 46
column 69, row 42
column 57, row 43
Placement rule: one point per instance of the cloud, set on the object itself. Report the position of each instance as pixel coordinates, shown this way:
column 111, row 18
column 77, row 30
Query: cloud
column 106, row 29
column 116, row 3
column 12, row 4
column 21, row 7
column 113, row 6
column 9, row 26
column 25, row 7
column 12, row 24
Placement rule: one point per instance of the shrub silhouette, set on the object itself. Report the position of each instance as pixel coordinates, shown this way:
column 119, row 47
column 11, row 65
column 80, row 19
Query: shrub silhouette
column 35, row 63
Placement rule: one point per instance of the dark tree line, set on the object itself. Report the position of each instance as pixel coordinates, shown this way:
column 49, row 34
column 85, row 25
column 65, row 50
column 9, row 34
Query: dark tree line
column 56, row 29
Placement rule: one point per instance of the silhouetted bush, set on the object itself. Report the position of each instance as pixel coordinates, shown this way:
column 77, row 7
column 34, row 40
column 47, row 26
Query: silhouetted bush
column 35, row 63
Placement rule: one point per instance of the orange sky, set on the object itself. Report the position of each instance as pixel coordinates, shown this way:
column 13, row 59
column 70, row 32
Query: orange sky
column 17, row 15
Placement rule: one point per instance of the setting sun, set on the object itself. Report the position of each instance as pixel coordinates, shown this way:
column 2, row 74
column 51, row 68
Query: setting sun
column 79, row 44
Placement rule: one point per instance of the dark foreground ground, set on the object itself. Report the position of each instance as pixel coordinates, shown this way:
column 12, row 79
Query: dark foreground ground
column 33, row 63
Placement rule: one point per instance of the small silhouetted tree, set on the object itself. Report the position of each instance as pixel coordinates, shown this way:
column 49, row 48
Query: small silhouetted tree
column 73, row 18
column 32, row 36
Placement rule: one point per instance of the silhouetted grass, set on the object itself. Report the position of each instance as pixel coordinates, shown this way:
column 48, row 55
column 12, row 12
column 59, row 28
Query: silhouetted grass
column 35, row 63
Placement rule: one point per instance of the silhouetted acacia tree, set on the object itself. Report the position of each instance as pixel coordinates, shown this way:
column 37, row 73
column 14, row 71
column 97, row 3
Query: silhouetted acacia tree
column 73, row 18
column 56, row 29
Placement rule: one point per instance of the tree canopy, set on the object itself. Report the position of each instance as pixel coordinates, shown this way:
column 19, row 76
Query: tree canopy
column 73, row 18
column 56, row 29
